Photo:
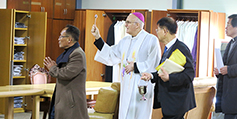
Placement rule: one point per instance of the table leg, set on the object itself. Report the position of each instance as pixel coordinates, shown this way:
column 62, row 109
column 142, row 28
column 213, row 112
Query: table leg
column 9, row 108
column 36, row 107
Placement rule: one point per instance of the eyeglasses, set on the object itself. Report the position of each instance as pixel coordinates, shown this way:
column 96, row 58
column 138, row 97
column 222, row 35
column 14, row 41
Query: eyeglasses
column 129, row 22
column 62, row 37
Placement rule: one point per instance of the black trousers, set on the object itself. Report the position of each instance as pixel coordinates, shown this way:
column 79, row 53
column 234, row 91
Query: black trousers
column 180, row 116
column 230, row 116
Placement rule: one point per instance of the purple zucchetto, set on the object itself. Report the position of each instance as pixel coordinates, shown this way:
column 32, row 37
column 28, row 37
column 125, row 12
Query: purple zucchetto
column 139, row 16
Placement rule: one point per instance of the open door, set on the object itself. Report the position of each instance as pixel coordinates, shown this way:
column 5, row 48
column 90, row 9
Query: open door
column 95, row 70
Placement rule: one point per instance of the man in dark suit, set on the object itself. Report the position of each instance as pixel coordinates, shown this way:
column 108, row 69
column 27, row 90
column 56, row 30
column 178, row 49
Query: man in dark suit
column 227, row 76
column 174, row 92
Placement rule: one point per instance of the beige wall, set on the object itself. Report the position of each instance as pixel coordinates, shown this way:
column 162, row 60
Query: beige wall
column 225, row 6
column 127, row 4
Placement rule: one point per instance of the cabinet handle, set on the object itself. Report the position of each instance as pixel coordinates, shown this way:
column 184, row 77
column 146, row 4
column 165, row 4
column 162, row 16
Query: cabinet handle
column 24, row 105
column 41, row 9
column 28, row 15
column 26, row 69
column 66, row 11
column 27, row 37
column 104, row 15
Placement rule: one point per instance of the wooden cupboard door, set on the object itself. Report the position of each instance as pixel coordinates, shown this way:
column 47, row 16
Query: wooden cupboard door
column 37, row 43
column 155, row 16
column 70, row 9
column 59, row 9
column 36, row 46
column 49, row 36
column 47, row 6
column 6, row 45
column 79, row 22
column 36, row 6
column 43, row 6
column 203, row 36
column 58, row 26
column 54, row 50
column 18, row 4
column 95, row 70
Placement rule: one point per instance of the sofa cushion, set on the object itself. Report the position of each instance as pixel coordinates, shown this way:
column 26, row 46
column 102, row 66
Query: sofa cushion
column 106, row 100
column 116, row 86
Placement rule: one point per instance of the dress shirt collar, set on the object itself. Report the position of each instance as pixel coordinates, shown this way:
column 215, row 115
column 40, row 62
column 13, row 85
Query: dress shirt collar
column 170, row 43
column 234, row 39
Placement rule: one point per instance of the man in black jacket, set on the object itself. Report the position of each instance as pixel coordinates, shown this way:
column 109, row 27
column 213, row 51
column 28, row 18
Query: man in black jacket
column 174, row 92
column 227, row 78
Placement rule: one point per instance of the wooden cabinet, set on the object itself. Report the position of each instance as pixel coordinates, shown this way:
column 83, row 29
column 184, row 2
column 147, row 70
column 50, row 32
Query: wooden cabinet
column 32, row 29
column 64, row 9
column 43, row 6
column 208, row 30
column 84, row 20
column 18, row 4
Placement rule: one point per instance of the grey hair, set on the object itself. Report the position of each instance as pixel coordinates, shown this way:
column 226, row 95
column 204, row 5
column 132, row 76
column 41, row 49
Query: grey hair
column 139, row 22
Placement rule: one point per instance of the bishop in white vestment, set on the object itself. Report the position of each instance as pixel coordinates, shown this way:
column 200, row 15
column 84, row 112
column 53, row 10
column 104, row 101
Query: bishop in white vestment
column 138, row 52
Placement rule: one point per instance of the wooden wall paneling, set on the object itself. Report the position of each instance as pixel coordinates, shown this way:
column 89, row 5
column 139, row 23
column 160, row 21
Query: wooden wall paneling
column 18, row 4
column 79, row 22
column 155, row 16
column 202, row 54
column 95, row 70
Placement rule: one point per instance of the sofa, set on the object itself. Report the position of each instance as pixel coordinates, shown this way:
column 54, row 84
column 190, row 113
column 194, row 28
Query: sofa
column 107, row 103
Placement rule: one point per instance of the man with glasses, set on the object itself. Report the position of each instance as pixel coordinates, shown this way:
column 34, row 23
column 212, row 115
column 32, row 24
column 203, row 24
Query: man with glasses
column 227, row 75
column 174, row 92
column 138, row 52
column 69, row 97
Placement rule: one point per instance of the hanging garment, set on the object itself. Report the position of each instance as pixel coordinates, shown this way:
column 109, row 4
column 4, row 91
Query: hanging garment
column 110, row 42
column 120, row 32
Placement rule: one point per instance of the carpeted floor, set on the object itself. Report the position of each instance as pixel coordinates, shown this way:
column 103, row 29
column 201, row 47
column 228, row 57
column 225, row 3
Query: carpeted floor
column 25, row 115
